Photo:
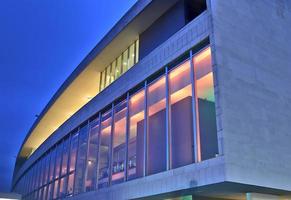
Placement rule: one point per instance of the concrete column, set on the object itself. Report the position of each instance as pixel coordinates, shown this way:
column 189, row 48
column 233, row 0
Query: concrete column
column 257, row 196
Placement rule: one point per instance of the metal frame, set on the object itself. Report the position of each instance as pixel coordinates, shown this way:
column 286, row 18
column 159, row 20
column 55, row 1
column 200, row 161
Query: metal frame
column 145, row 142
column 126, row 138
column 168, row 123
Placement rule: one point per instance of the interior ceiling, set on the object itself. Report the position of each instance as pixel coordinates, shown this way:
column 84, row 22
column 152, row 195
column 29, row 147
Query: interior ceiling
column 84, row 86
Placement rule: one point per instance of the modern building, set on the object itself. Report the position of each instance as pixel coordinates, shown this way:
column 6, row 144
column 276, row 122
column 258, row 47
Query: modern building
column 182, row 99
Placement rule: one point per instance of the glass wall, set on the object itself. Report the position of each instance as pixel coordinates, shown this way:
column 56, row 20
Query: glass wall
column 119, row 146
column 81, row 161
column 156, row 146
column 167, row 123
column 91, row 174
column 136, row 135
column 206, row 105
column 120, row 65
column 104, row 150
column 180, row 97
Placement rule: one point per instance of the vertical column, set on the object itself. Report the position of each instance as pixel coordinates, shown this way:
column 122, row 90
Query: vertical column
column 145, row 128
column 111, row 145
column 168, row 122
column 126, row 138
column 98, row 149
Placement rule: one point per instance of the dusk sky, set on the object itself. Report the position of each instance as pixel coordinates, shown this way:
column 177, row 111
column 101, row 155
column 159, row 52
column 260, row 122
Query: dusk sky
column 41, row 43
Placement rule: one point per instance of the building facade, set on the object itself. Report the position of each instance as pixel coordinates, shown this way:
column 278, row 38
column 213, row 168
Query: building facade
column 182, row 99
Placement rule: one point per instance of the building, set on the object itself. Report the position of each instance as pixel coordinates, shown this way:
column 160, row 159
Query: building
column 182, row 99
column 9, row 196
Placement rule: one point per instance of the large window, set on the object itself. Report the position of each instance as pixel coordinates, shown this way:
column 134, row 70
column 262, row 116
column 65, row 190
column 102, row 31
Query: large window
column 119, row 147
column 136, row 135
column 206, row 105
column 181, row 120
column 104, row 150
column 91, row 175
column 81, row 160
column 156, row 147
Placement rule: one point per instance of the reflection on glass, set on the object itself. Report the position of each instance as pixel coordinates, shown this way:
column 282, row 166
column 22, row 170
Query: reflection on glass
column 52, row 164
column 56, row 185
column 81, row 160
column 181, row 115
column 70, row 188
column 156, row 158
column 50, row 190
column 73, row 151
column 62, row 192
column 65, row 156
column 104, row 150
column 44, row 193
column 119, row 148
column 136, row 135
column 58, row 160
column 125, row 61
column 207, row 139
column 91, row 176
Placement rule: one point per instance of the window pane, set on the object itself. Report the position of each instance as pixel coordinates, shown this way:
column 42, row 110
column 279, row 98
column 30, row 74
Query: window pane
column 131, row 56
column 107, row 76
column 125, row 61
column 70, row 184
column 102, row 78
column 52, row 164
column 104, row 150
column 181, row 115
column 58, row 160
column 63, row 187
column 46, row 170
column 81, row 160
column 156, row 127
column 136, row 135
column 112, row 73
column 44, row 193
column 119, row 147
column 136, row 51
column 65, row 156
column 73, row 151
column 56, row 185
column 118, row 67
column 206, row 104
column 91, row 177
column 50, row 190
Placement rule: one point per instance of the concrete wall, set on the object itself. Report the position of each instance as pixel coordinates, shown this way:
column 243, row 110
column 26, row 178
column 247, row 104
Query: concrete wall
column 163, row 28
column 252, row 47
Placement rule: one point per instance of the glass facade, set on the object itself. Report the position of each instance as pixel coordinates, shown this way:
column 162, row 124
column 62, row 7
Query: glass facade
column 165, row 124
column 120, row 65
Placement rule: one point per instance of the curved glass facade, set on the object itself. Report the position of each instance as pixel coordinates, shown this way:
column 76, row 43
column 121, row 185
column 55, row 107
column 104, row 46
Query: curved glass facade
column 168, row 123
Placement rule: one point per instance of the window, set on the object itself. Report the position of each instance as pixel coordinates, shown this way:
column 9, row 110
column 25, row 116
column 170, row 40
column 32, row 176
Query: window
column 206, row 105
column 120, row 65
column 91, row 176
column 81, row 160
column 58, row 160
column 119, row 148
column 73, row 152
column 104, row 150
column 156, row 147
column 65, row 156
column 181, row 126
column 52, row 164
column 136, row 135
column 55, row 192
column 70, row 187
column 62, row 191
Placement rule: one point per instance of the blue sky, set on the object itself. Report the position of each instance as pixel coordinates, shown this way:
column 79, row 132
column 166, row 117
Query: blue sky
column 41, row 43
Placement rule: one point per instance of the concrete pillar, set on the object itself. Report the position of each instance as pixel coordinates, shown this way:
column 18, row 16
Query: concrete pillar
column 257, row 196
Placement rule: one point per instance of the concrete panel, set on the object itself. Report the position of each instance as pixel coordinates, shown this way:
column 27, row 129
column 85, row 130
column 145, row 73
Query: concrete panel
column 252, row 49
